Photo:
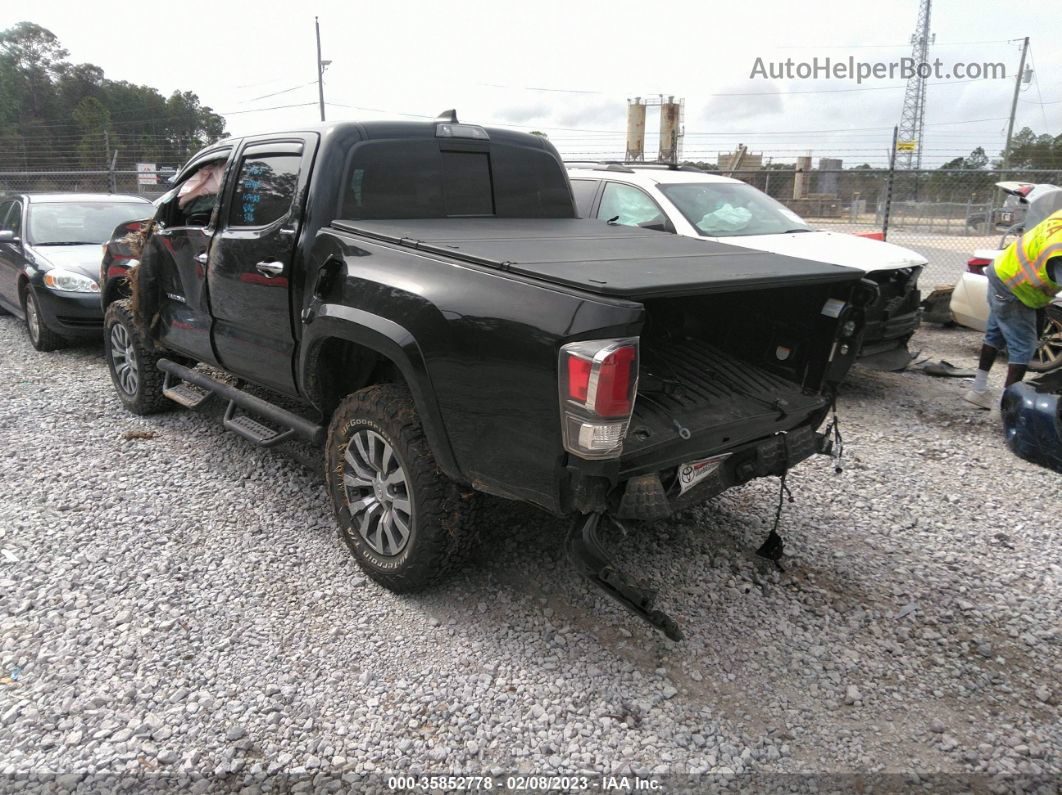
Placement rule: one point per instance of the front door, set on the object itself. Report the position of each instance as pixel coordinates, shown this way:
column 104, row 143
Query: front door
column 251, row 261
column 174, row 261
column 11, row 258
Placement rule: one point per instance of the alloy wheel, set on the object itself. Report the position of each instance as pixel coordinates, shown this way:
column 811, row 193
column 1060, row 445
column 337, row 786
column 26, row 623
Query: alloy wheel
column 1049, row 350
column 33, row 319
column 123, row 357
column 377, row 492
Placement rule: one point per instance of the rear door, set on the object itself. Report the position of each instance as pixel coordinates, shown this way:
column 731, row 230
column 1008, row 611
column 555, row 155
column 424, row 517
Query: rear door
column 632, row 206
column 251, row 261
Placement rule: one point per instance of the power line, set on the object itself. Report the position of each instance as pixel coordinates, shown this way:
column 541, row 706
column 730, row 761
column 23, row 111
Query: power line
column 285, row 91
column 260, row 110
column 885, row 46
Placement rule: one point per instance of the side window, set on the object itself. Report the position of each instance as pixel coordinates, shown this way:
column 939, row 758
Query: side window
column 194, row 200
column 630, row 205
column 11, row 217
column 265, row 189
column 584, row 190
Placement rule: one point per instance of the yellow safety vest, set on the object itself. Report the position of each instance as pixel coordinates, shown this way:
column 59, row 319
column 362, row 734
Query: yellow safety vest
column 1023, row 266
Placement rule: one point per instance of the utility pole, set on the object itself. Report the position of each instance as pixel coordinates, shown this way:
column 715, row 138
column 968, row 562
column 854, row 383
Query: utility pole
column 320, row 69
column 1014, row 108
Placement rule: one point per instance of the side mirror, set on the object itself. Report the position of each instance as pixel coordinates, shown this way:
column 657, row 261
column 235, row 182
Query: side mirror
column 7, row 236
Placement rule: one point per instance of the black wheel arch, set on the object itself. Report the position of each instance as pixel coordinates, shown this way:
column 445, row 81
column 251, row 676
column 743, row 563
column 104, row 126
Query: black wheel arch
column 345, row 349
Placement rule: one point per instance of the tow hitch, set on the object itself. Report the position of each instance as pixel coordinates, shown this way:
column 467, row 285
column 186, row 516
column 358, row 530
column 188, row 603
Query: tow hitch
column 586, row 553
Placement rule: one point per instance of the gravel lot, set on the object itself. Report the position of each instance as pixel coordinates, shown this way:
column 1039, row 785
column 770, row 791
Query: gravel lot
column 175, row 603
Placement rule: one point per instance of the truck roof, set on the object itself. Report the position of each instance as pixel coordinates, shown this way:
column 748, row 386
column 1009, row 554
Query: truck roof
column 597, row 257
column 387, row 128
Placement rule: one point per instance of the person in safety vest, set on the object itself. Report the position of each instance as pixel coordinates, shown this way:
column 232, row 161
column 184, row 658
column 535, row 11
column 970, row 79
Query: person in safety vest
column 1024, row 278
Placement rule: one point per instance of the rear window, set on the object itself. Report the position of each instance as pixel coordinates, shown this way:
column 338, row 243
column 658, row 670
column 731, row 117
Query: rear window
column 417, row 179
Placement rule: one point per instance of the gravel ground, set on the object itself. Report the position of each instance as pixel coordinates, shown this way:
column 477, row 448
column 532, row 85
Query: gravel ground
column 175, row 603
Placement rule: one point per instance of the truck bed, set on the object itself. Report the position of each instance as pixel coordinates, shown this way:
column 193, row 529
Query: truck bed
column 723, row 400
column 594, row 256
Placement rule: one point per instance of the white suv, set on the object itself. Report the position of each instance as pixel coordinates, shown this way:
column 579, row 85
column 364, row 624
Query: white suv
column 688, row 201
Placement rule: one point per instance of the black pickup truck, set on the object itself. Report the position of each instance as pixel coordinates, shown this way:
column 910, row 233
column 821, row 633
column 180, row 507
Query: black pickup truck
column 426, row 290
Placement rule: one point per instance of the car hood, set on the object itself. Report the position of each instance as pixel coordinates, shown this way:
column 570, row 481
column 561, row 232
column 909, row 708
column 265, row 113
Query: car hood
column 80, row 259
column 833, row 247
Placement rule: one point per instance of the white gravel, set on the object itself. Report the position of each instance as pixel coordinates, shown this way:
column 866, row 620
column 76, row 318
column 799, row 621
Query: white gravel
column 174, row 602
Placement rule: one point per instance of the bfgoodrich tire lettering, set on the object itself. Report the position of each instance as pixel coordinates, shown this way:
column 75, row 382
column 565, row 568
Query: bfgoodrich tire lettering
column 433, row 508
column 133, row 365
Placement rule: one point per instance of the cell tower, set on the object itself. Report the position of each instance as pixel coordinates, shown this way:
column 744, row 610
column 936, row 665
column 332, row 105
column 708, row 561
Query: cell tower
column 913, row 116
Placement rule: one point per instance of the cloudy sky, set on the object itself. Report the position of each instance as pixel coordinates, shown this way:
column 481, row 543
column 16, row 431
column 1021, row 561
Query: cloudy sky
column 568, row 67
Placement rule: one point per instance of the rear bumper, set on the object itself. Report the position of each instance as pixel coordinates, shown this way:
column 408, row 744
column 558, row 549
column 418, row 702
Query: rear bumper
column 657, row 495
column 969, row 301
column 71, row 314
column 1032, row 420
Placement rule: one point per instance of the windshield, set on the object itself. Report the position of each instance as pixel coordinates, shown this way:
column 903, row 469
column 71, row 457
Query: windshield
column 55, row 223
column 730, row 209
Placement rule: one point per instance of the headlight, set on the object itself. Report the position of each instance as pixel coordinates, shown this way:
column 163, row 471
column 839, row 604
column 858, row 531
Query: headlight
column 910, row 276
column 68, row 282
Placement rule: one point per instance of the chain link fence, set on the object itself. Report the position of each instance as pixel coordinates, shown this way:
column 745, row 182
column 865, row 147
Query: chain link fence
column 943, row 214
column 127, row 181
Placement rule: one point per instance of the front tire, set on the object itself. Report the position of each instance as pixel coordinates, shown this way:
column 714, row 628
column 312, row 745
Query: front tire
column 41, row 337
column 405, row 523
column 132, row 362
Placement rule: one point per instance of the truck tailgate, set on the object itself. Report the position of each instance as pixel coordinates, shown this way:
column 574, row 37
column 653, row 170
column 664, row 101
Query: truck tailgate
column 590, row 255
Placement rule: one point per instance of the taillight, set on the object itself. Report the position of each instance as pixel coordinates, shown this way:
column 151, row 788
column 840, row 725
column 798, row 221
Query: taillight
column 598, row 384
column 977, row 265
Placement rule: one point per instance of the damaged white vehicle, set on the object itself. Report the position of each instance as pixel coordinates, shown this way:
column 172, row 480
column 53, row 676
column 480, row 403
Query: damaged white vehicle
column 687, row 201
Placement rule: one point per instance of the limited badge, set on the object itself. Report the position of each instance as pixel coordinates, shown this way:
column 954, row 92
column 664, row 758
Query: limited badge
column 692, row 473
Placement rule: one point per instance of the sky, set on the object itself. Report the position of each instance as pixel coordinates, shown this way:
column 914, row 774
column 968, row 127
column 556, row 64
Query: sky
column 568, row 68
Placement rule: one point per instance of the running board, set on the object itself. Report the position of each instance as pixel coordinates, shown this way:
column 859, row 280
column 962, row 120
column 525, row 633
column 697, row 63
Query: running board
column 193, row 383
column 183, row 393
column 252, row 430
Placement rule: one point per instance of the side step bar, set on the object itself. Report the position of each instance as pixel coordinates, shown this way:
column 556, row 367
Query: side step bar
column 199, row 386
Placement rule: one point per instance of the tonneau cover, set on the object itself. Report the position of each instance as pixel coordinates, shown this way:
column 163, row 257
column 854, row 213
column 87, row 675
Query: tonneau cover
column 592, row 255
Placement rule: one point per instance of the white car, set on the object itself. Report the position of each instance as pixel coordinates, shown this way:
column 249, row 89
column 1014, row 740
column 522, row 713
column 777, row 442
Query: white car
column 688, row 201
column 969, row 300
column 969, row 307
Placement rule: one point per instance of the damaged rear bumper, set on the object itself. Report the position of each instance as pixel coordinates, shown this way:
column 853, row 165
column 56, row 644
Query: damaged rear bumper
column 657, row 495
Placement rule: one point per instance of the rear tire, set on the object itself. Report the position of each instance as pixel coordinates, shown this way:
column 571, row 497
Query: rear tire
column 1048, row 353
column 41, row 337
column 132, row 362
column 405, row 523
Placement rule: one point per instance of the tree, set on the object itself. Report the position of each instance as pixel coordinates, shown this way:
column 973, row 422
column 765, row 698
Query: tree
column 55, row 115
column 94, row 121
column 1029, row 150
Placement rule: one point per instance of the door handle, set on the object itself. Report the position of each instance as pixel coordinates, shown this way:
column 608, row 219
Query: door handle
column 201, row 258
column 270, row 268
